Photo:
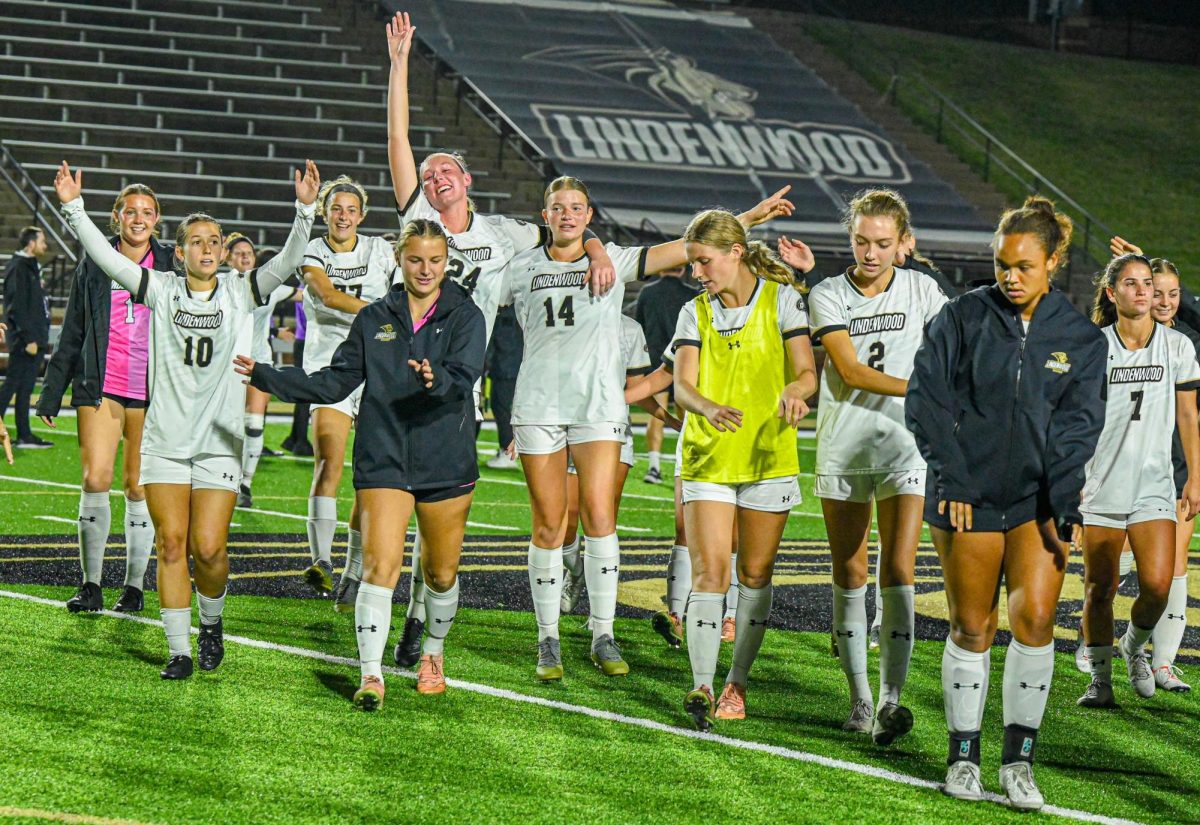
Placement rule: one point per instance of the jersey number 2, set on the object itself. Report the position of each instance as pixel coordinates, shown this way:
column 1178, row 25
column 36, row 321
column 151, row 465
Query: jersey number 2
column 875, row 362
column 201, row 348
column 566, row 312
column 1136, row 398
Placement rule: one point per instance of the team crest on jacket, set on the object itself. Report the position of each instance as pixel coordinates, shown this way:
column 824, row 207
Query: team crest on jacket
column 1057, row 362
column 386, row 333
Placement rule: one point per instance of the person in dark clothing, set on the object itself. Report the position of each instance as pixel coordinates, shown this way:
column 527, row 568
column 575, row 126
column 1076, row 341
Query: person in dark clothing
column 28, row 316
column 503, row 363
column 657, row 310
column 297, row 441
column 1006, row 401
column 419, row 350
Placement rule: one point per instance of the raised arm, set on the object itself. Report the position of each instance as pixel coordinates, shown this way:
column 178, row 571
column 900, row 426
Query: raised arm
column 122, row 270
column 400, row 155
column 276, row 271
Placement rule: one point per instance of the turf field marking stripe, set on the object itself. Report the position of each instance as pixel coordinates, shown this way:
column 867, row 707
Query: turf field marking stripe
column 62, row 816
column 44, row 483
column 605, row 715
column 59, row 519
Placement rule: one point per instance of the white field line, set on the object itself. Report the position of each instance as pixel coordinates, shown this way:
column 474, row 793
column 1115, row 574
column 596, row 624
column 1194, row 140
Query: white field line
column 608, row 716
column 58, row 519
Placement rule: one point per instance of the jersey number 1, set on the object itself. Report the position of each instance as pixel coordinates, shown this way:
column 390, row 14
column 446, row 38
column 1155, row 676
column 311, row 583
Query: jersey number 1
column 202, row 348
column 566, row 312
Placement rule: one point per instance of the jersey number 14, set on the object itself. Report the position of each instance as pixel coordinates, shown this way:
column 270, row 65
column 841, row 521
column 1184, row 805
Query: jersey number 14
column 566, row 312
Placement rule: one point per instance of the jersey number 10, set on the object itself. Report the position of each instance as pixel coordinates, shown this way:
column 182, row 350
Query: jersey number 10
column 201, row 348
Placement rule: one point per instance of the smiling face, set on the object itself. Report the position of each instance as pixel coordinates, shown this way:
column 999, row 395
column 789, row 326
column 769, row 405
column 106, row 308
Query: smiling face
column 713, row 268
column 444, row 181
column 423, row 261
column 241, row 256
column 202, row 250
column 1133, row 291
column 1166, row 297
column 343, row 214
column 1022, row 268
column 136, row 218
column 875, row 241
column 568, row 214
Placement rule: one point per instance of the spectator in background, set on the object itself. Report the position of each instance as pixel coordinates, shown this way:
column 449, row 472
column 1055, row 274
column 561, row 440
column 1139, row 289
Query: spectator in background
column 503, row 362
column 297, row 441
column 658, row 306
column 27, row 314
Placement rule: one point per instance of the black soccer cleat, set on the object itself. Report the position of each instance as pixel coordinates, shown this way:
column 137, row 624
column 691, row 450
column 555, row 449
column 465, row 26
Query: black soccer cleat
column 132, row 600
column 408, row 649
column 210, row 649
column 180, row 667
column 87, row 599
column 698, row 705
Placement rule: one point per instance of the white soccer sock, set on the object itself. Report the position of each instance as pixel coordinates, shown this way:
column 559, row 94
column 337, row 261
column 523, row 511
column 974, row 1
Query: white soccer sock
column 850, row 630
column 177, row 622
column 1028, row 672
column 322, row 521
column 679, row 579
column 895, row 640
column 95, row 518
column 572, row 558
column 754, row 611
column 252, row 447
column 545, row 583
column 964, row 687
column 601, row 566
column 139, row 542
column 731, row 595
column 1135, row 637
column 655, row 460
column 1100, row 659
column 1168, row 633
column 878, row 620
column 372, row 622
column 704, row 612
column 354, row 555
column 1125, row 564
column 442, row 608
column 211, row 609
column 416, row 592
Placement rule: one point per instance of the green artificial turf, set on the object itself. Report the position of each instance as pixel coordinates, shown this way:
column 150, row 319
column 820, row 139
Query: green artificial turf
column 1113, row 134
column 272, row 737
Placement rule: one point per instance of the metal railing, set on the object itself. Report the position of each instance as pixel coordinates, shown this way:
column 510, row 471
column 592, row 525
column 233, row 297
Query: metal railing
column 45, row 215
column 935, row 112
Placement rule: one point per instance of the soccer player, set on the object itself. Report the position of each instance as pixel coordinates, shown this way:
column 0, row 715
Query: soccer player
column 343, row 272
column 416, row 355
column 241, row 256
column 569, row 396
column 735, row 347
column 636, row 357
column 481, row 246
column 1014, row 365
column 870, row 321
column 103, row 353
column 1152, row 379
column 192, row 447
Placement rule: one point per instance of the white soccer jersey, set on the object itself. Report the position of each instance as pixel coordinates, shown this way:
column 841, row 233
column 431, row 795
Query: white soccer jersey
column 1133, row 457
column 635, row 355
column 260, row 324
column 480, row 254
column 365, row 272
column 860, row 431
column 572, row 371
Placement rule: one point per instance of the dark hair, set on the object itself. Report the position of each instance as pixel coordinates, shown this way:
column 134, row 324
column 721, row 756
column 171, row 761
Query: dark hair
column 28, row 235
column 1038, row 217
column 1161, row 266
column 1104, row 311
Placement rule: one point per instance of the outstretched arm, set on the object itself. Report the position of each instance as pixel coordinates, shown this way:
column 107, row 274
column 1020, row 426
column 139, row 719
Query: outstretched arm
column 122, row 270
column 400, row 155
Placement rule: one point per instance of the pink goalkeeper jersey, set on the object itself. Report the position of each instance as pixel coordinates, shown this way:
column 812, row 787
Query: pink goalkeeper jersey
column 128, row 342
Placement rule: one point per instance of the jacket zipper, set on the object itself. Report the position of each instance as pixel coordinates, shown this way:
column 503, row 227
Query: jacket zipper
column 1012, row 421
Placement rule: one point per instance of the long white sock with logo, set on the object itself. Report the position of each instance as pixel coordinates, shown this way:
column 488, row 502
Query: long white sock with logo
column 372, row 622
column 211, row 609
column 704, row 613
column 601, row 566
column 964, row 687
column 895, row 641
column 679, row 579
column 416, row 593
column 177, row 623
column 441, row 608
column 139, row 542
column 545, row 583
column 95, row 518
column 850, row 630
column 252, row 447
column 1168, row 633
column 322, row 521
column 754, row 611
column 1028, row 672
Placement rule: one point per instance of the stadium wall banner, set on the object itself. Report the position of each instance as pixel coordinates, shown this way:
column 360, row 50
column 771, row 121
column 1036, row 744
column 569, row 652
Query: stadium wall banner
column 664, row 111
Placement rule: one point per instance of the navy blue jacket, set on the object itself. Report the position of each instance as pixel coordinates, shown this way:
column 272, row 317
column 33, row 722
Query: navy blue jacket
column 25, row 307
column 1007, row 419
column 408, row 437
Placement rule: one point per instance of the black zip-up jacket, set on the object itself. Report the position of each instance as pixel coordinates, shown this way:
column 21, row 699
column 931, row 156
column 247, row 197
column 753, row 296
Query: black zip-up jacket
column 25, row 309
column 409, row 437
column 1007, row 419
column 81, row 355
